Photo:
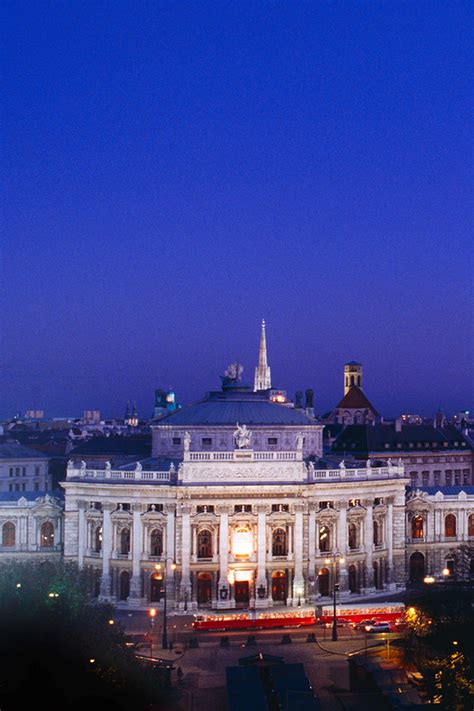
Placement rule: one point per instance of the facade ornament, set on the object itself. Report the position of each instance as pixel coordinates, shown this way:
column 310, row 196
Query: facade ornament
column 70, row 464
column 108, row 466
column 234, row 372
column 172, row 468
column 242, row 436
column 83, row 466
column 389, row 462
column 369, row 464
column 138, row 467
column 342, row 465
column 187, row 441
column 299, row 441
column 400, row 463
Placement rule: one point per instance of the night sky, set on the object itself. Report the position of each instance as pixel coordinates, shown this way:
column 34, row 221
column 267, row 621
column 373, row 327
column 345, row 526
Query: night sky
column 173, row 172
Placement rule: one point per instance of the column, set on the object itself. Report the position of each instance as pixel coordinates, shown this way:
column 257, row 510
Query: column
column 342, row 547
column 262, row 599
column 135, row 598
column 185, row 588
column 105, row 583
column 82, row 533
column 369, row 544
column 170, row 554
column 298, row 580
column 223, row 588
column 312, row 548
column 389, row 534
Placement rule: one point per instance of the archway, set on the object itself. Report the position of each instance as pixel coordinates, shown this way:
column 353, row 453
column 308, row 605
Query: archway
column 124, row 585
column 204, row 588
column 156, row 587
column 323, row 582
column 417, row 567
column 47, row 535
column 8, row 535
column 279, row 586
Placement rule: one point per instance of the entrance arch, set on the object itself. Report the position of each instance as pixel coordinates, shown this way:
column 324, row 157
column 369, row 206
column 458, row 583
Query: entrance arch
column 279, row 586
column 204, row 588
column 323, row 582
column 124, row 585
column 417, row 567
column 156, row 587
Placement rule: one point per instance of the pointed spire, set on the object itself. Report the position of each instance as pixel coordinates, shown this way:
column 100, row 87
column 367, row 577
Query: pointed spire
column 262, row 371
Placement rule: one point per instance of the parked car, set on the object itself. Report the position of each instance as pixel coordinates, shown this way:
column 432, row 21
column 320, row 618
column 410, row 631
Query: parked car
column 378, row 627
column 362, row 625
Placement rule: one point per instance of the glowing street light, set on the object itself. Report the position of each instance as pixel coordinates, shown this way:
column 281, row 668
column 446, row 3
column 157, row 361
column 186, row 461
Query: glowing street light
column 428, row 579
column 336, row 557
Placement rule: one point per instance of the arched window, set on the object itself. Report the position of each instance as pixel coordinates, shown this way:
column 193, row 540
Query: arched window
column 377, row 533
column 8, row 535
column 125, row 542
column 204, row 544
column 352, row 536
column 47, row 535
column 450, row 526
column 97, row 541
column 156, row 542
column 324, row 539
column 279, row 542
column 279, row 585
column 417, row 527
column 470, row 526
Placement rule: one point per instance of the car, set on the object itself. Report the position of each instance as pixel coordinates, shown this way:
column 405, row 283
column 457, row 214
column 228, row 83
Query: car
column 362, row 625
column 378, row 627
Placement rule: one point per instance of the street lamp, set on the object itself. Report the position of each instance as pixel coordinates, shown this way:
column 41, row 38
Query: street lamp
column 164, row 641
column 152, row 616
column 335, row 558
column 428, row 579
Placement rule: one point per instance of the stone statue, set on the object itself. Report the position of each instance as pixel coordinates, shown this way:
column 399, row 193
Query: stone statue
column 389, row 462
column 138, row 467
column 70, row 464
column 187, row 441
column 299, row 441
column 234, row 372
column 342, row 465
column 369, row 464
column 108, row 466
column 242, row 436
column 83, row 466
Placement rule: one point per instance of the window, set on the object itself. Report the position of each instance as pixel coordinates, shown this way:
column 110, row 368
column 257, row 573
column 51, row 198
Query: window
column 465, row 477
column 326, row 505
column 155, row 507
column 125, row 541
column 324, row 539
column 470, row 526
column 437, row 478
column 352, row 536
column 204, row 544
column 206, row 442
column 176, row 440
column 156, row 543
column 279, row 546
column 11, row 471
column 425, row 478
column 354, row 502
column 204, row 508
column 280, row 507
column 8, row 535
column 377, row 533
column 272, row 441
column 449, row 477
column 413, row 478
column 242, row 508
column 97, row 542
column 23, row 471
column 37, row 471
column 457, row 477
column 450, row 526
column 417, row 527
column 378, row 501
column 47, row 535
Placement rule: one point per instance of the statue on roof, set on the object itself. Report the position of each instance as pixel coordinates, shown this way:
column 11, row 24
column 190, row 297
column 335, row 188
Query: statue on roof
column 234, row 372
column 242, row 436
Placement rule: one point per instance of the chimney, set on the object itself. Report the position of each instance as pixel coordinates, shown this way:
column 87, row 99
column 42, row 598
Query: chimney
column 398, row 424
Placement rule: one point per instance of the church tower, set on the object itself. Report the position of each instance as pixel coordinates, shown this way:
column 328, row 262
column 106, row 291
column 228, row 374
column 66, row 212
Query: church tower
column 262, row 371
column 352, row 376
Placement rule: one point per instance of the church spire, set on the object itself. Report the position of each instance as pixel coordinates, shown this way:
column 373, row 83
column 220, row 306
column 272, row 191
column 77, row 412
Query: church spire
column 262, row 371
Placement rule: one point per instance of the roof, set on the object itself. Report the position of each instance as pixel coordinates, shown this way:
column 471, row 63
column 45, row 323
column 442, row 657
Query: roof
column 355, row 399
column 139, row 446
column 227, row 407
column 13, row 450
column 445, row 490
column 12, row 496
column 382, row 437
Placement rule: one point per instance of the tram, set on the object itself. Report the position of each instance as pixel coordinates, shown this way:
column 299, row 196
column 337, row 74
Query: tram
column 392, row 612
column 253, row 619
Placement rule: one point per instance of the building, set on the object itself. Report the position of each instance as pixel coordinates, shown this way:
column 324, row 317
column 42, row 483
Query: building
column 432, row 456
column 23, row 469
column 31, row 525
column 354, row 408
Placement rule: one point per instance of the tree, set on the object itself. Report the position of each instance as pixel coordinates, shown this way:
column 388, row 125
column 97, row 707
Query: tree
column 57, row 647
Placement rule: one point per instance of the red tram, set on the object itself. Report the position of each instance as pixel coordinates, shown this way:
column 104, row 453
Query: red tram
column 253, row 619
column 391, row 612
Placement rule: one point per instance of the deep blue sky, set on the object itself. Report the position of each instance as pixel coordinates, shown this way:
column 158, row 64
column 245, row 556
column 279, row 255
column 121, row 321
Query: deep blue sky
column 175, row 171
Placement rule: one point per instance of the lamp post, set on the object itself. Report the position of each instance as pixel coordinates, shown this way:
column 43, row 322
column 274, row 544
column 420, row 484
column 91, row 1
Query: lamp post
column 164, row 641
column 335, row 558
column 152, row 616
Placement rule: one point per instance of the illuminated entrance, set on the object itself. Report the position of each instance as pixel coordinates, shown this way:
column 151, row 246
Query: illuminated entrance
column 204, row 588
column 242, row 592
column 279, row 586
